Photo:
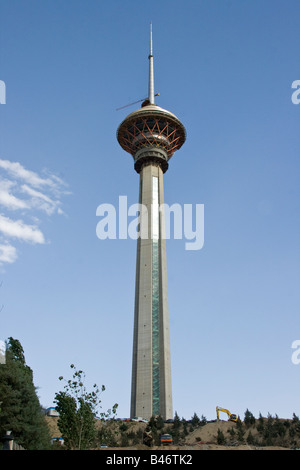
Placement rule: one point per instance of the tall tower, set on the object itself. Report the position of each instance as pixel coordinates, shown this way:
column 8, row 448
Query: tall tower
column 151, row 135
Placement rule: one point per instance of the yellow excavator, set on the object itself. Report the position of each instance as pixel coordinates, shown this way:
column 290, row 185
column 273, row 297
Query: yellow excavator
column 231, row 417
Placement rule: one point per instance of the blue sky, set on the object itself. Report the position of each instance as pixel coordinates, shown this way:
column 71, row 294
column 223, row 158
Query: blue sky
column 225, row 68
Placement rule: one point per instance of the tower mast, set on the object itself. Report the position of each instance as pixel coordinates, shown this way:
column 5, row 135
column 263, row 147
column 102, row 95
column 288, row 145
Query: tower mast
column 151, row 71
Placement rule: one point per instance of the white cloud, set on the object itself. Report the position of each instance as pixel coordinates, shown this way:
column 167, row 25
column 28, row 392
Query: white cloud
column 41, row 201
column 7, row 199
column 8, row 254
column 26, row 193
column 16, row 170
column 18, row 229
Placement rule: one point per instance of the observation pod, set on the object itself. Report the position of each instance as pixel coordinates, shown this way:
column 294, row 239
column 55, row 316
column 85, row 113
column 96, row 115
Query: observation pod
column 151, row 128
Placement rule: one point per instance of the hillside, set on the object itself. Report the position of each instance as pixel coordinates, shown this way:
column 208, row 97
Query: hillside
column 265, row 433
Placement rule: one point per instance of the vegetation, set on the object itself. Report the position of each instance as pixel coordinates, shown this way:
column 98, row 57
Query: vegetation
column 270, row 431
column 117, row 433
column 249, row 419
column 20, row 408
column 77, row 410
column 261, row 432
column 156, row 425
column 220, row 437
column 273, row 431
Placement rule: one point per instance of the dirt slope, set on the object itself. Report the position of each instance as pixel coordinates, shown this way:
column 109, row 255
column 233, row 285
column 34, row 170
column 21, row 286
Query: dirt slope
column 203, row 438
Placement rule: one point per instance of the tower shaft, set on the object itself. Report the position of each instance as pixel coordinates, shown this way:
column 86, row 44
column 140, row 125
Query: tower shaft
column 151, row 365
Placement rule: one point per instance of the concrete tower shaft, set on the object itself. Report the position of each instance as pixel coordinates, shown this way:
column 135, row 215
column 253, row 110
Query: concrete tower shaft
column 151, row 363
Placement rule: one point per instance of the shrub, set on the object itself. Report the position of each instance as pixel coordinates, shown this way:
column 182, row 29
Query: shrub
column 220, row 437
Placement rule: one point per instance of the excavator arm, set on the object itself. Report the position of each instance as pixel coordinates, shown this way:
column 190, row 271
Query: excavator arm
column 231, row 417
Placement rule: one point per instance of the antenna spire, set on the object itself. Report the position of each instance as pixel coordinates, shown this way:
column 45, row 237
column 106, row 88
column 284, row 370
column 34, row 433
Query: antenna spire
column 151, row 74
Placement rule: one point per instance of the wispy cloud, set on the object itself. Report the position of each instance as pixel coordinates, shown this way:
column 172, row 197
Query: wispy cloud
column 20, row 230
column 24, row 196
column 8, row 254
column 16, row 170
column 7, row 199
column 41, row 201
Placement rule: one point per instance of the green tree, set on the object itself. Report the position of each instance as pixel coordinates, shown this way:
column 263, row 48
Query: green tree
column 159, row 422
column 177, row 421
column 250, row 439
column 220, row 437
column 249, row 418
column 21, row 411
column 77, row 409
column 185, row 428
column 240, row 430
column 156, row 424
column 124, row 440
column 260, row 426
column 279, row 427
column 123, row 427
column 176, row 428
column 107, row 436
column 203, row 421
column 195, row 420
